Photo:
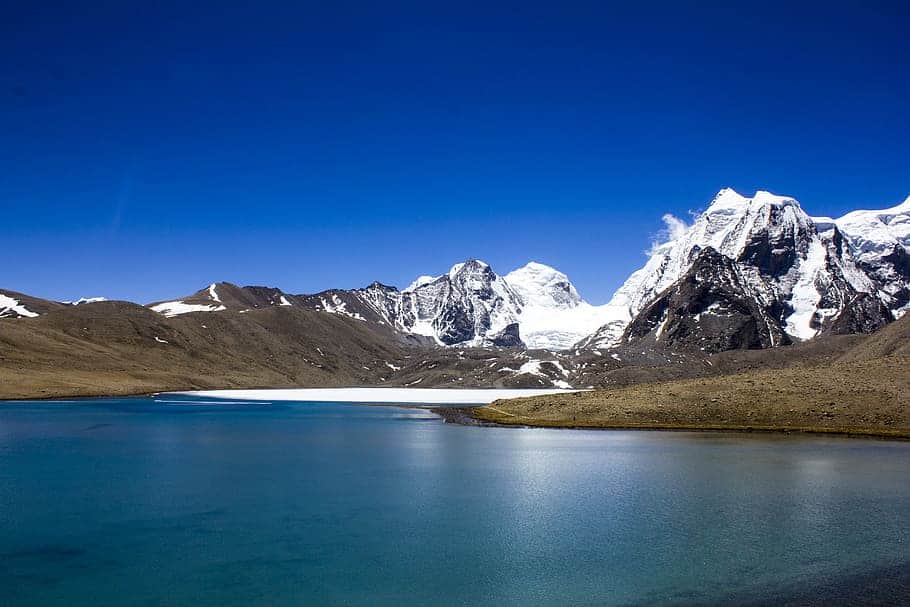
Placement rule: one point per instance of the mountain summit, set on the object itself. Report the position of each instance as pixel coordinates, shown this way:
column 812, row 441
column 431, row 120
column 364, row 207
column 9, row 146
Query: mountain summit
column 535, row 306
column 770, row 262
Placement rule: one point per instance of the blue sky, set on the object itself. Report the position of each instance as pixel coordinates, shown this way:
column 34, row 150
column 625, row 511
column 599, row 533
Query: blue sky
column 148, row 149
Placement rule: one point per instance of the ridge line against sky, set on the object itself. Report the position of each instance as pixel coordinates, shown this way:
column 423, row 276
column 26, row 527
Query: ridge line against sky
column 149, row 150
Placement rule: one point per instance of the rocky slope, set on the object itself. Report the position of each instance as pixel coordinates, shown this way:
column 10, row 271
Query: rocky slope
column 880, row 242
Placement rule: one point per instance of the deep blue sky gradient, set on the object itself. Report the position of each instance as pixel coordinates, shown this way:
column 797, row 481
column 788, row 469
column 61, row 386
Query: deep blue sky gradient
column 147, row 149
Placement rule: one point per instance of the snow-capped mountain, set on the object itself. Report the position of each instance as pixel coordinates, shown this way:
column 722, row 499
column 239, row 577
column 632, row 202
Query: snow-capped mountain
column 880, row 243
column 535, row 306
column 553, row 315
column 471, row 305
column 801, row 278
column 748, row 273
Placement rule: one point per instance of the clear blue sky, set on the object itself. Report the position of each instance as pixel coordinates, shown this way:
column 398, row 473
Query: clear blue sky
column 147, row 149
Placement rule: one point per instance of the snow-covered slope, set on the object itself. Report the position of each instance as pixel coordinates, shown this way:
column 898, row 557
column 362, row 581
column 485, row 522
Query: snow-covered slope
column 797, row 275
column 541, row 286
column 553, row 315
column 880, row 242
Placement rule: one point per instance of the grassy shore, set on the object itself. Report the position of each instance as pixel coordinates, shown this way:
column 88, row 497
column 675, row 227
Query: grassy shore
column 870, row 398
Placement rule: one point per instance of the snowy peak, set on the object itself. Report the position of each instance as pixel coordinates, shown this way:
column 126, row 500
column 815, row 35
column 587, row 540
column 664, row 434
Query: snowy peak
column 553, row 314
column 871, row 230
column 539, row 285
column 880, row 242
column 473, row 276
column 466, row 305
column 732, row 222
column 764, row 231
column 419, row 282
column 536, row 305
column 471, row 305
column 796, row 274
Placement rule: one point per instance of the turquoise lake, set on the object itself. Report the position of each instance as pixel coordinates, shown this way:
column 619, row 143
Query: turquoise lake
column 138, row 502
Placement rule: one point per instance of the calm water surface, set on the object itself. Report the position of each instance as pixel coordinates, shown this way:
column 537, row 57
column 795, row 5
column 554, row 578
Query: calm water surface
column 132, row 501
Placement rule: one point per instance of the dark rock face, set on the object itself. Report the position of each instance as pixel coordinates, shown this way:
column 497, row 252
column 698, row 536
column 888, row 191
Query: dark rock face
column 508, row 337
column 864, row 314
column 711, row 309
column 774, row 252
column 892, row 275
column 455, row 324
column 857, row 312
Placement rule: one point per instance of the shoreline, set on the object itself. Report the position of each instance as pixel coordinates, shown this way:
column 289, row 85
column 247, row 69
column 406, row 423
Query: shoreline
column 468, row 416
column 479, row 415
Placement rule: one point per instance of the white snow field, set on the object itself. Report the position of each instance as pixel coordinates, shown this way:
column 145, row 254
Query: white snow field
column 404, row 396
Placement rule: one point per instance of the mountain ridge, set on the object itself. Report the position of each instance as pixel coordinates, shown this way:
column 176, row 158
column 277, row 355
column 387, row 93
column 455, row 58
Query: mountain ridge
column 793, row 277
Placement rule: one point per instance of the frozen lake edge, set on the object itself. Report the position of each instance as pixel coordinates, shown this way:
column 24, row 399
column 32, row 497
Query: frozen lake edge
column 404, row 396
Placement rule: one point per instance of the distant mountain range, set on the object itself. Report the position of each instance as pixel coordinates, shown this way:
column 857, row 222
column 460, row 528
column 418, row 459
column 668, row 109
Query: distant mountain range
column 749, row 273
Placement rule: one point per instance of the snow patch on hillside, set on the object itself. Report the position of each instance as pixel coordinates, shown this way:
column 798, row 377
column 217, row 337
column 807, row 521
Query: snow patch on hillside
column 339, row 307
column 176, row 308
column 10, row 306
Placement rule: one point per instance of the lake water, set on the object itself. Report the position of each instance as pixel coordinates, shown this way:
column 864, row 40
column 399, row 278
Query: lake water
column 129, row 501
